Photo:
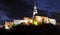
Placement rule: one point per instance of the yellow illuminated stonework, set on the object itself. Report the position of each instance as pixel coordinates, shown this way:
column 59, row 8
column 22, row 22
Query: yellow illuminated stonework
column 35, row 22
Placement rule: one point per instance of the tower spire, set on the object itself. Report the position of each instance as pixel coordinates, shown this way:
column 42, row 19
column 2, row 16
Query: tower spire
column 35, row 10
column 35, row 6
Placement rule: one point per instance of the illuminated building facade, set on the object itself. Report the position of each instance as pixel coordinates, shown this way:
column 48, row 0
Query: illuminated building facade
column 8, row 25
column 35, row 20
column 16, row 22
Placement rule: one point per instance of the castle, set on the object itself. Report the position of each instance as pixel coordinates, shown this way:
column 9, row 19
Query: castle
column 34, row 20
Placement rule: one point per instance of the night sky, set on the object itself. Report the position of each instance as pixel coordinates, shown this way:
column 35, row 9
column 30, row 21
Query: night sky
column 51, row 5
column 17, row 9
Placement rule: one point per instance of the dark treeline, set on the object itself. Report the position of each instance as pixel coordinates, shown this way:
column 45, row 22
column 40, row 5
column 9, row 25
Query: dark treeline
column 42, row 29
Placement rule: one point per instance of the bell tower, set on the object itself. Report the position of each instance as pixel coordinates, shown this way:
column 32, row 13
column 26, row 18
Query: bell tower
column 35, row 10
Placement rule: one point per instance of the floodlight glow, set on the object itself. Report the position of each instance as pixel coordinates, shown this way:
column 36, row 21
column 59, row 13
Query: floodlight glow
column 35, row 13
column 46, row 20
column 39, row 19
column 6, row 27
column 35, row 23
column 27, row 20
column 52, row 21
column 31, row 21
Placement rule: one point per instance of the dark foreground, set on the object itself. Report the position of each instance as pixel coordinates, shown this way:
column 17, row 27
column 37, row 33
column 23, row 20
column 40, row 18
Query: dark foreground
column 45, row 29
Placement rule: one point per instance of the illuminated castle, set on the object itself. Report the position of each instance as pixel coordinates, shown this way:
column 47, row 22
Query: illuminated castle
column 28, row 21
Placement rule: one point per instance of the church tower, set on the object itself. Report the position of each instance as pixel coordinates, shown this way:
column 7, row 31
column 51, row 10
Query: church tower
column 35, row 10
